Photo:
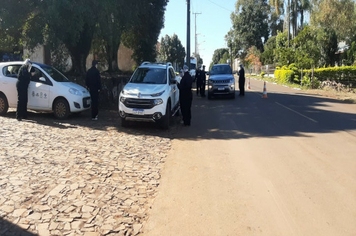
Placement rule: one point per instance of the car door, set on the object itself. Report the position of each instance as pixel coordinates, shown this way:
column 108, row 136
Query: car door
column 8, row 83
column 39, row 91
column 174, row 88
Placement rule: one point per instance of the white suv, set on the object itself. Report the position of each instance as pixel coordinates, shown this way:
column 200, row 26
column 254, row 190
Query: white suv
column 150, row 95
column 49, row 90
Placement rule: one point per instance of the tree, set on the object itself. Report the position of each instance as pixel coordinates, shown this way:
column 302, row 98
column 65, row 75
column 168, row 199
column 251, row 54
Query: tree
column 328, row 46
column 253, row 58
column 268, row 56
column 172, row 50
column 142, row 38
column 338, row 15
column 307, row 52
column 218, row 54
column 284, row 54
column 249, row 26
column 224, row 58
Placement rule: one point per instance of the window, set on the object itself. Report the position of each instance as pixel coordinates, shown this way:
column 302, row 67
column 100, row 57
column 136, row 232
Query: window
column 11, row 71
column 38, row 74
column 149, row 76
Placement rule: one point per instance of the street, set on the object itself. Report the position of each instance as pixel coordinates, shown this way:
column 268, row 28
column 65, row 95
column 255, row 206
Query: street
column 282, row 165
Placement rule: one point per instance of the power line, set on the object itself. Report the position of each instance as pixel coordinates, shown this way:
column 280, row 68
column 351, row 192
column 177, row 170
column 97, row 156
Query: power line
column 220, row 6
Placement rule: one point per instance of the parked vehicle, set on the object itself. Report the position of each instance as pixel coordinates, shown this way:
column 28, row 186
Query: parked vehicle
column 193, row 66
column 221, row 81
column 49, row 91
column 150, row 95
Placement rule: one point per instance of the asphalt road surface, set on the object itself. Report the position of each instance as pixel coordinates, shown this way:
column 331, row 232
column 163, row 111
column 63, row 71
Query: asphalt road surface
column 282, row 165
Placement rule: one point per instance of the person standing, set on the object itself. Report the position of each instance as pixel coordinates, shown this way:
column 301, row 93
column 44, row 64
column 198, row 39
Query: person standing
column 186, row 96
column 242, row 80
column 23, row 80
column 198, row 80
column 93, row 82
column 203, row 81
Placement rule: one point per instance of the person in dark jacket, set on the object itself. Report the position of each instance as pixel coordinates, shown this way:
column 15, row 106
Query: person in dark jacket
column 186, row 96
column 198, row 80
column 203, row 81
column 242, row 80
column 93, row 82
column 23, row 80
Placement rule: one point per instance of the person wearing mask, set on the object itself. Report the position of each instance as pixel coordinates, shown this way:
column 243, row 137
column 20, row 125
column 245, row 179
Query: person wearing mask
column 186, row 96
column 93, row 82
column 203, row 81
column 23, row 80
column 198, row 80
column 242, row 80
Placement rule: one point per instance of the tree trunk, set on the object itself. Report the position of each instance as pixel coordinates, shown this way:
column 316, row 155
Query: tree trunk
column 301, row 18
column 80, row 52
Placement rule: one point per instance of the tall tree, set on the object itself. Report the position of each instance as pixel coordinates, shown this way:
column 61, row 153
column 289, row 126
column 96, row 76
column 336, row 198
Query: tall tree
column 328, row 46
column 249, row 26
column 338, row 15
column 171, row 50
column 218, row 54
column 142, row 38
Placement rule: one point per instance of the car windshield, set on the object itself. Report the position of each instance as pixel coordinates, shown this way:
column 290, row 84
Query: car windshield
column 55, row 74
column 221, row 70
column 149, row 76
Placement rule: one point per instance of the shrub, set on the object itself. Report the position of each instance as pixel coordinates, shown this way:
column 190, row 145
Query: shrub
column 344, row 75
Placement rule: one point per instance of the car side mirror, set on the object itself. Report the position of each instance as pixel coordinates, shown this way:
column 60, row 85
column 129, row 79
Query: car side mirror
column 207, row 73
column 42, row 79
column 173, row 81
column 234, row 72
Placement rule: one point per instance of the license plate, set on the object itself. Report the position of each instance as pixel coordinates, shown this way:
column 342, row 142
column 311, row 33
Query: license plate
column 221, row 88
column 138, row 111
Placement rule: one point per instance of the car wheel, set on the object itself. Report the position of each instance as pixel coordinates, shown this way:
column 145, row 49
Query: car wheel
column 124, row 122
column 4, row 106
column 166, row 119
column 61, row 109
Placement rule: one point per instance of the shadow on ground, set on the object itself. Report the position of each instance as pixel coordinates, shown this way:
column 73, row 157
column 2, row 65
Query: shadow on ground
column 9, row 229
column 221, row 118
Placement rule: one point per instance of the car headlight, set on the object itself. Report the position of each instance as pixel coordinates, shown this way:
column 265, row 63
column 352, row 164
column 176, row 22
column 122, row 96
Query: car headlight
column 122, row 99
column 157, row 94
column 157, row 101
column 75, row 92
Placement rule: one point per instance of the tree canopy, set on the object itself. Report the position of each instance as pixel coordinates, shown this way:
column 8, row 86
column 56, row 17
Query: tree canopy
column 172, row 50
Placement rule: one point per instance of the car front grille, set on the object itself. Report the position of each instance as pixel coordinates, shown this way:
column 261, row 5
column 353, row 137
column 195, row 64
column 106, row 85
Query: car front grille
column 139, row 103
column 86, row 104
column 226, row 81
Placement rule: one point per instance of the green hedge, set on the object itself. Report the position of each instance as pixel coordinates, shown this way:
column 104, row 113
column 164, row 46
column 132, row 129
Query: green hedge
column 345, row 75
column 284, row 76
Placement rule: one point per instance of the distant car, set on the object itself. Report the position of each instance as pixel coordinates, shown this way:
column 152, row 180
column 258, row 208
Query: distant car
column 221, row 81
column 150, row 95
column 49, row 90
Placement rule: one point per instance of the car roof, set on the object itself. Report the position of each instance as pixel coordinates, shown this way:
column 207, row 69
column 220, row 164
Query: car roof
column 8, row 63
column 221, row 65
column 155, row 65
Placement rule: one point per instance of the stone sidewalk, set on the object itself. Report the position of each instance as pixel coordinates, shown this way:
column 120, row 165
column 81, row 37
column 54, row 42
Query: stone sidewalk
column 78, row 177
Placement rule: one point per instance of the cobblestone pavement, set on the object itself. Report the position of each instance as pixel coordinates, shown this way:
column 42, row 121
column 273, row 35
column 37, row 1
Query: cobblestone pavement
column 78, row 177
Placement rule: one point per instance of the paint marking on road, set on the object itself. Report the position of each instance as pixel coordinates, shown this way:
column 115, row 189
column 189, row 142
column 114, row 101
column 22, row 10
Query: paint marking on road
column 297, row 112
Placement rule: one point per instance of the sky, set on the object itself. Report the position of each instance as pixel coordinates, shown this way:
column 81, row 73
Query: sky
column 212, row 24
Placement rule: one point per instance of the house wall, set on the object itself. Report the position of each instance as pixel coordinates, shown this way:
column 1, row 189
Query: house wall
column 124, row 59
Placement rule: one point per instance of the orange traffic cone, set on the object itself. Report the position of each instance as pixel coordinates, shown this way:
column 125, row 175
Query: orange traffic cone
column 249, row 87
column 264, row 91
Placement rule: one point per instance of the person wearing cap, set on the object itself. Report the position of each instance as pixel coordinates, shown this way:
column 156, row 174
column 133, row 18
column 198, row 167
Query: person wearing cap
column 242, row 80
column 23, row 80
column 93, row 82
column 186, row 96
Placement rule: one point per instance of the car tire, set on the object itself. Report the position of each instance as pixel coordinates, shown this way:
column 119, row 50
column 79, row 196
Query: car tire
column 4, row 105
column 61, row 109
column 124, row 122
column 165, row 122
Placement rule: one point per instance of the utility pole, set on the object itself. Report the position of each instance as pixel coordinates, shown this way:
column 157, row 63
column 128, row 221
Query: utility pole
column 188, row 34
column 196, row 36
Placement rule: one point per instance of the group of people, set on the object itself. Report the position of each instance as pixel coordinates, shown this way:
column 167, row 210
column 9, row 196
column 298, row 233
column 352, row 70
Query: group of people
column 185, row 90
column 26, row 71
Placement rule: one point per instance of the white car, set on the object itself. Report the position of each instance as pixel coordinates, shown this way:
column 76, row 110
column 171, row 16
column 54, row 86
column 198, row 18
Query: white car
column 49, row 90
column 150, row 95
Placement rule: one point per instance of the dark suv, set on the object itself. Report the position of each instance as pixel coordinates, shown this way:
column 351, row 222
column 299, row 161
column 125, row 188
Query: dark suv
column 221, row 81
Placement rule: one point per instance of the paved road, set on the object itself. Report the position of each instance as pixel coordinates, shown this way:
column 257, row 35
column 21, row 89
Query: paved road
column 285, row 165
